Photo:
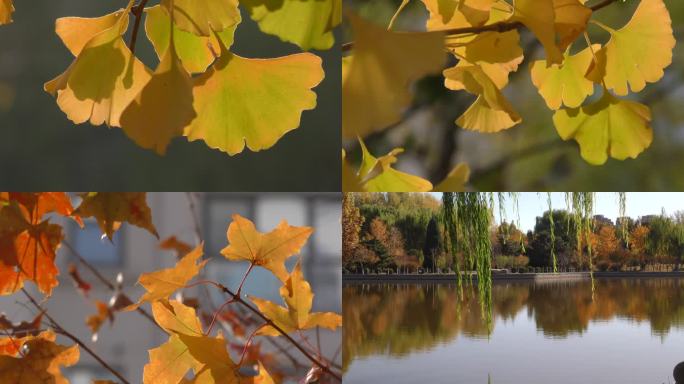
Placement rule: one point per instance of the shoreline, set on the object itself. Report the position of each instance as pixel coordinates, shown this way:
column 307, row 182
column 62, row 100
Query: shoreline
column 535, row 277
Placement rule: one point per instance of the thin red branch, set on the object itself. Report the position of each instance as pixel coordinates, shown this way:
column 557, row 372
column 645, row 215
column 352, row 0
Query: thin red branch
column 216, row 315
column 249, row 341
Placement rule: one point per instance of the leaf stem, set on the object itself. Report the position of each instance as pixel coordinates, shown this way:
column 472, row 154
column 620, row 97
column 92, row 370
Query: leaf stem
column 59, row 329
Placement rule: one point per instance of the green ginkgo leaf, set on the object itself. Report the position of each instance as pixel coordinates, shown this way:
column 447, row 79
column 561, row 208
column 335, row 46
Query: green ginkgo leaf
column 252, row 101
column 564, row 84
column 610, row 127
column 307, row 23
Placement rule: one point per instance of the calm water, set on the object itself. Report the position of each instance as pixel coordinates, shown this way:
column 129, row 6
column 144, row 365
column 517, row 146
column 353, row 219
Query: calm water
column 542, row 333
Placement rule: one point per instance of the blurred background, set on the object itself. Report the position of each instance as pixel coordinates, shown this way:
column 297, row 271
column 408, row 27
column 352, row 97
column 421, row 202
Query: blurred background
column 530, row 156
column 40, row 149
column 125, row 343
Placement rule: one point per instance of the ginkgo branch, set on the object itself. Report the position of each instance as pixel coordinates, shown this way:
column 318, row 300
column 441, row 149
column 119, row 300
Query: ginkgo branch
column 500, row 27
column 104, row 280
column 137, row 11
column 271, row 323
column 60, row 330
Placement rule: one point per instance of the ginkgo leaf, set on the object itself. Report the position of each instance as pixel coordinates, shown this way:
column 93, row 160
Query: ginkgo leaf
column 377, row 174
column 639, row 52
column 376, row 80
column 446, row 14
column 195, row 52
column 302, row 22
column 268, row 250
column 565, row 84
column 6, row 10
column 105, row 76
column 296, row 292
column 110, row 209
column 539, row 17
column 609, row 127
column 204, row 17
column 41, row 364
column 455, row 180
column 164, row 105
column 161, row 284
column 252, row 102
column 570, row 21
column 350, row 180
column 490, row 112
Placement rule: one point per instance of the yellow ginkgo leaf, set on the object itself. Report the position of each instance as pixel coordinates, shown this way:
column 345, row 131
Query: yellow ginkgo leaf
column 268, row 250
column 571, row 18
column 252, row 102
column 350, row 180
column 446, row 14
column 639, row 52
column 306, row 23
column 6, row 10
column 377, row 174
column 297, row 294
column 76, row 32
column 565, row 83
column 456, row 180
column 161, row 284
column 375, row 84
column 195, row 52
column 539, row 16
column 203, row 17
column 609, row 127
column 490, row 112
column 162, row 108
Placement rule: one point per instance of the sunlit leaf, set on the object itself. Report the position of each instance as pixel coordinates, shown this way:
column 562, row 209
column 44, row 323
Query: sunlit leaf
column 41, row 364
column 377, row 174
column 455, row 180
column 110, row 209
column 539, row 17
column 204, row 17
column 6, row 10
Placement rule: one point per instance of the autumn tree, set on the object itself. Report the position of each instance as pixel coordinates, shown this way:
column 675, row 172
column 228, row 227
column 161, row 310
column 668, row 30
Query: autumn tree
column 351, row 226
column 638, row 237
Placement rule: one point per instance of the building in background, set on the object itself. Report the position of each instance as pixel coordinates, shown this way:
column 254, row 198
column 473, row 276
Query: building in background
column 135, row 251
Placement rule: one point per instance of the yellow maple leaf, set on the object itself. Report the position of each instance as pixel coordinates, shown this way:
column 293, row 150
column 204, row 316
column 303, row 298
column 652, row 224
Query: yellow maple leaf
column 639, row 52
column 297, row 316
column 566, row 83
column 110, row 209
column 377, row 76
column 161, row 284
column 41, row 364
column 267, row 250
column 609, row 127
column 491, row 111
column 268, row 97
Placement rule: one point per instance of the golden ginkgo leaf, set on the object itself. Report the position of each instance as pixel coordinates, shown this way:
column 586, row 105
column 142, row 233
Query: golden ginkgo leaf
column 639, row 52
column 377, row 174
column 455, row 180
column 203, row 17
column 609, row 127
column 539, row 17
column 268, row 250
column 566, row 83
column 446, row 14
column 570, row 20
column 376, row 80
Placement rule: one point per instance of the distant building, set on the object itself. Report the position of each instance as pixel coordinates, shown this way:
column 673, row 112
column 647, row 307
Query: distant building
column 600, row 221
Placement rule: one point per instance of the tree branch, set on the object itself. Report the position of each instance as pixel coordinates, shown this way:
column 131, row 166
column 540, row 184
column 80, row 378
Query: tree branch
column 502, row 26
column 137, row 11
column 59, row 329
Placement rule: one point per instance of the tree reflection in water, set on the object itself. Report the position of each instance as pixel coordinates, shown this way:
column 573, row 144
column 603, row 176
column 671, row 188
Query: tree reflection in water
column 397, row 319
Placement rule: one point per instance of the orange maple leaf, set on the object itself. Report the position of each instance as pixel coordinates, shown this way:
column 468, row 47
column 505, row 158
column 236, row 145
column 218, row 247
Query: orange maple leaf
column 112, row 208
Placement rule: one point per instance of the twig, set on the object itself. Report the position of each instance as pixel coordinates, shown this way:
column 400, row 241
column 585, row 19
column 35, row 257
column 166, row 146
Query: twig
column 137, row 11
column 104, row 280
column 502, row 26
column 294, row 342
column 59, row 329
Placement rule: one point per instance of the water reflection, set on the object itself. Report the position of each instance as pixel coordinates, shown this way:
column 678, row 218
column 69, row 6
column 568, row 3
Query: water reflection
column 397, row 320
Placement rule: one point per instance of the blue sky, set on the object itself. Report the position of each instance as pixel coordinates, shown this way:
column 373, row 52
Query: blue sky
column 532, row 204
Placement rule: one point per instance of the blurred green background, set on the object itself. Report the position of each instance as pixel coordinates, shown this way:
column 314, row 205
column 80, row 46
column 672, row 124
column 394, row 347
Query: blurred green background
column 40, row 149
column 530, row 156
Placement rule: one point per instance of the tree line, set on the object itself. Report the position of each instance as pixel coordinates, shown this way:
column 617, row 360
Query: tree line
column 404, row 232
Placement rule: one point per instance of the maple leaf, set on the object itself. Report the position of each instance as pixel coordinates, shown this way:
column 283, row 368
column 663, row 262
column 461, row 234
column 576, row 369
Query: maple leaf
column 297, row 316
column 41, row 364
column 638, row 53
column 161, row 284
column 104, row 313
column 173, row 244
column 252, row 102
column 377, row 76
column 267, row 250
column 110, row 209
column 490, row 112
column 609, row 127
column 564, row 84
column 6, row 10
column 194, row 51
column 203, row 17
column 306, row 23
column 38, row 204
column 83, row 286
column 164, row 105
column 104, row 77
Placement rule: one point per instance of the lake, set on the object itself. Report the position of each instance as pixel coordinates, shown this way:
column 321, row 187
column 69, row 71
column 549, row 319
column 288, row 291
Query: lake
column 632, row 331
